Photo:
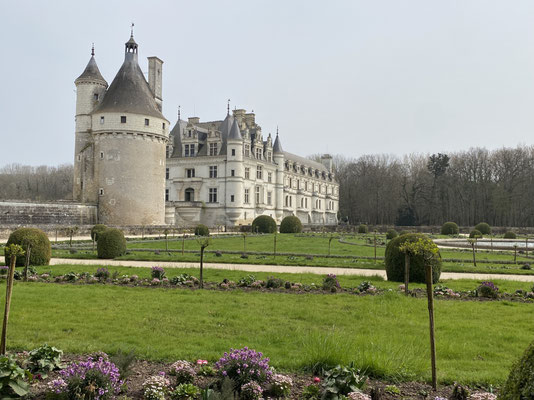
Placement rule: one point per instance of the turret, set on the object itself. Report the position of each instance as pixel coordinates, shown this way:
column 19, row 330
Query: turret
column 235, row 169
column 90, row 89
column 278, row 156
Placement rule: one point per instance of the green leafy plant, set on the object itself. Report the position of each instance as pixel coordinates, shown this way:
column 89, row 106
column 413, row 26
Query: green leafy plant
column 362, row 228
column 520, row 383
column 246, row 281
column 185, row 391
column 274, row 283
column 475, row 234
column 510, row 235
column 13, row 379
column 124, row 362
column 182, row 279
column 342, row 380
column 45, row 359
column 391, row 234
column 392, row 389
column 97, row 230
column 483, row 228
column 311, row 392
column 202, row 230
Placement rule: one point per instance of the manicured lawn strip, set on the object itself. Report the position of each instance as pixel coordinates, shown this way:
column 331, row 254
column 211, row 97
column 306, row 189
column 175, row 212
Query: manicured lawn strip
column 346, row 281
column 388, row 335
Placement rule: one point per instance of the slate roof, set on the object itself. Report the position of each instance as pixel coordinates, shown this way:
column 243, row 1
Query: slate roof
column 91, row 72
column 235, row 133
column 305, row 161
column 277, row 147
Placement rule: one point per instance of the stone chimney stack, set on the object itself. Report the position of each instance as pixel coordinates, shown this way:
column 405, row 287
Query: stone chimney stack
column 154, row 79
column 326, row 160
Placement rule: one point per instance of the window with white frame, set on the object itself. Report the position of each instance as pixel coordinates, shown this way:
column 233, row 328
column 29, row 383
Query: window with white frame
column 259, row 172
column 247, row 173
column 212, row 195
column 258, row 195
column 189, row 150
column 213, row 171
column 247, row 150
column 213, row 149
column 259, row 153
column 269, row 177
column 247, row 196
column 190, row 172
column 269, row 198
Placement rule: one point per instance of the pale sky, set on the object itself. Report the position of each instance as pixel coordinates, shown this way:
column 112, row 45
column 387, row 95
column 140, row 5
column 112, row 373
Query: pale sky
column 343, row 77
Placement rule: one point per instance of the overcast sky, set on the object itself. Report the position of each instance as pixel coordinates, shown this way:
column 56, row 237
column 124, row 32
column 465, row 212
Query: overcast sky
column 344, row 77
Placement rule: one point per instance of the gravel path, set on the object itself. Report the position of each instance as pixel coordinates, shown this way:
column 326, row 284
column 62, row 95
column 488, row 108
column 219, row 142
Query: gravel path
column 281, row 268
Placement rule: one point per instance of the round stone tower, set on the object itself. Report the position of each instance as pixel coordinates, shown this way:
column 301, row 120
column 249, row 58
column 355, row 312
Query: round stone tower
column 234, row 154
column 130, row 135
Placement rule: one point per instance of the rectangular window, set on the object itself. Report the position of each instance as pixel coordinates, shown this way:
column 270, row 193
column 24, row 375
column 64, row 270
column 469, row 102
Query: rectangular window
column 269, row 198
column 290, row 183
column 270, row 177
column 213, row 171
column 232, row 198
column 257, row 195
column 233, row 152
column 213, row 195
column 213, row 149
column 166, row 194
column 232, row 172
column 186, row 150
column 258, row 154
column 101, row 192
column 123, row 119
column 247, row 173
column 101, row 120
column 259, row 172
column 163, row 126
column 192, row 150
column 190, row 172
column 269, row 156
column 96, row 96
column 147, row 122
column 306, row 186
column 247, row 151
column 247, row 197
column 166, row 173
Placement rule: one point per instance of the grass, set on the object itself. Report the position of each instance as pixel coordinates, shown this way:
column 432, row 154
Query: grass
column 387, row 335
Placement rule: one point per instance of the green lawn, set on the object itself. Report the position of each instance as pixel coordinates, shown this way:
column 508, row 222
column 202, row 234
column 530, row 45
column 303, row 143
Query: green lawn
column 387, row 334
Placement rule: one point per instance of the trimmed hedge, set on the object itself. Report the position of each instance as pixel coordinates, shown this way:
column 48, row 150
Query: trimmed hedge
column 483, row 228
column 520, row 383
column 291, row 224
column 391, row 234
column 475, row 234
column 202, row 230
column 510, row 235
column 450, row 228
column 111, row 244
column 395, row 261
column 40, row 250
column 97, row 230
column 363, row 228
column 263, row 224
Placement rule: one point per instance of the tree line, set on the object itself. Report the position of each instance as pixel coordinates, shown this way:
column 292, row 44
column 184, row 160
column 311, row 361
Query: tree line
column 466, row 187
column 43, row 183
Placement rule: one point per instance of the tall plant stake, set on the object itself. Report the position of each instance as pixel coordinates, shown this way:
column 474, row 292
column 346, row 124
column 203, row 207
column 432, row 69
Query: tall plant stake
column 275, row 235
column 27, row 261
column 13, row 251
column 406, row 272
column 430, row 297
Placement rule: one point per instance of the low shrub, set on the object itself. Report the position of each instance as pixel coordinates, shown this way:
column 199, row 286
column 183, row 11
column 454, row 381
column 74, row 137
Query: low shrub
column 102, row 274
column 111, row 243
column 183, row 371
column 246, row 281
column 475, row 234
column 488, row 289
column 394, row 260
column 291, row 224
column 362, row 228
column 311, row 392
column 243, row 366
column 391, row 234
column 520, row 382
column 185, row 391
column 13, row 382
column 450, row 228
column 202, row 230
column 274, row 283
column 342, row 381
column 510, row 235
column 44, row 359
column 97, row 230
column 483, row 228
column 157, row 272
column 40, row 249
column 280, row 386
column 264, row 224
column 330, row 283
column 526, row 266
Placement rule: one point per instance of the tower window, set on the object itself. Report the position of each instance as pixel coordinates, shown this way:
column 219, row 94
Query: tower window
column 163, row 125
column 147, row 122
column 96, row 96
column 101, row 155
column 101, row 120
column 232, row 172
column 166, row 194
column 123, row 119
column 233, row 152
column 232, row 198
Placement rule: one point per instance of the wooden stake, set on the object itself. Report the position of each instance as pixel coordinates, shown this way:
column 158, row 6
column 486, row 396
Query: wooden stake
column 9, row 290
column 406, row 272
column 202, row 267
column 430, row 297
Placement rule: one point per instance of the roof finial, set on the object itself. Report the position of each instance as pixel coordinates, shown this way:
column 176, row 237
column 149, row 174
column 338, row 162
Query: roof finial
column 276, row 130
column 131, row 35
column 178, row 113
column 228, row 108
column 93, row 50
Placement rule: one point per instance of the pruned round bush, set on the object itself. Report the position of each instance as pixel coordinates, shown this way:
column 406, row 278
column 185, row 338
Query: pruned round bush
column 264, row 224
column 450, row 228
column 40, row 250
column 520, row 383
column 97, row 230
column 291, row 224
column 395, row 261
column 510, row 235
column 111, row 244
column 202, row 230
column 475, row 234
column 483, row 228
column 391, row 234
column 362, row 228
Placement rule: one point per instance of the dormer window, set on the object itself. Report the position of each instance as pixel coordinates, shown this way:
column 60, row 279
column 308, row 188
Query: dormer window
column 123, row 119
column 189, row 133
column 213, row 149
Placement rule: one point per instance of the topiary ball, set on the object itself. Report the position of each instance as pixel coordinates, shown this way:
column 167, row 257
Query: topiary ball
column 395, row 261
column 510, row 235
column 97, row 230
column 263, row 224
column 40, row 250
column 363, row 228
column 202, row 230
column 291, row 224
column 520, row 383
column 111, row 244
column 475, row 234
column 450, row 228
column 391, row 234
column 483, row 228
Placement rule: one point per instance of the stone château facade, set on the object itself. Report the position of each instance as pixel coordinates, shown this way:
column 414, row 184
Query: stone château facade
column 215, row 173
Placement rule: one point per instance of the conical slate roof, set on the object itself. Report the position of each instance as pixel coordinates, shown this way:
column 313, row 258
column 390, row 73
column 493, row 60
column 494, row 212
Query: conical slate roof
column 277, row 148
column 129, row 92
column 235, row 133
column 91, row 73
column 226, row 126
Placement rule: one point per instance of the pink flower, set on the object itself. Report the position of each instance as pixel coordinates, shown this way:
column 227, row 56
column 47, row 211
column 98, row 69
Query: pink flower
column 202, row 362
column 316, row 379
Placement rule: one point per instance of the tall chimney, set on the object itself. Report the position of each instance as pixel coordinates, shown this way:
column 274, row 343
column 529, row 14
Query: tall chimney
column 154, row 79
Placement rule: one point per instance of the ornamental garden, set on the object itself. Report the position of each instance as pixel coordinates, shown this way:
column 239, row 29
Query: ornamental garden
column 162, row 331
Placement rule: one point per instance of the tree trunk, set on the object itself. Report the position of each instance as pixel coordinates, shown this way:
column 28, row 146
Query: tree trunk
column 201, row 267
column 474, row 257
column 9, row 290
column 375, row 246
column 406, row 272
column 27, row 262
column 430, row 297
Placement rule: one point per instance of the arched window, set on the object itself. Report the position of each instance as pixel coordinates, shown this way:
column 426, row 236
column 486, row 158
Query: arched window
column 189, row 194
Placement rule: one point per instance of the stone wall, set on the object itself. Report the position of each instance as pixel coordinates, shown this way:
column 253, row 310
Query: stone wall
column 33, row 213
